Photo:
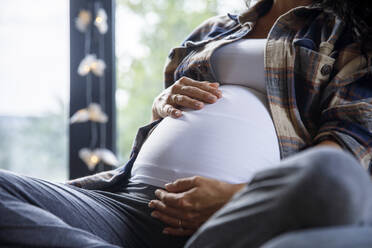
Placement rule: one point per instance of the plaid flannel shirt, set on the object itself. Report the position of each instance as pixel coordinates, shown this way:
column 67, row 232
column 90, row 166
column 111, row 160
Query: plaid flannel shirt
column 319, row 84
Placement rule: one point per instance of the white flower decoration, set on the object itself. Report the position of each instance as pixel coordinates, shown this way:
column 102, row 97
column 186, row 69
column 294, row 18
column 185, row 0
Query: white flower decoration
column 83, row 20
column 101, row 21
column 81, row 115
column 89, row 158
column 85, row 64
column 92, row 157
column 92, row 113
column 98, row 67
column 91, row 64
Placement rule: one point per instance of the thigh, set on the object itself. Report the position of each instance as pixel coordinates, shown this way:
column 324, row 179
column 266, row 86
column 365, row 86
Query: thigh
column 336, row 237
column 78, row 208
column 315, row 188
column 121, row 218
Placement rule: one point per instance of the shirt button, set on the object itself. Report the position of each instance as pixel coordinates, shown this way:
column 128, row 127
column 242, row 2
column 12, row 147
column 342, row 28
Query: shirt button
column 326, row 70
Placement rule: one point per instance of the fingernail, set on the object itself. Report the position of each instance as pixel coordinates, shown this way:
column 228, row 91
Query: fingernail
column 198, row 104
column 168, row 184
column 213, row 98
column 165, row 231
column 151, row 204
column 178, row 112
column 154, row 214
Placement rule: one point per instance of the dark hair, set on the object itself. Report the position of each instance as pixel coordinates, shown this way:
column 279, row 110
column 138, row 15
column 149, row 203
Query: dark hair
column 356, row 14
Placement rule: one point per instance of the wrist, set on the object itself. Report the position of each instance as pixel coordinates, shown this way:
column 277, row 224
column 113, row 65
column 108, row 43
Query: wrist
column 154, row 114
column 233, row 189
column 329, row 142
column 238, row 187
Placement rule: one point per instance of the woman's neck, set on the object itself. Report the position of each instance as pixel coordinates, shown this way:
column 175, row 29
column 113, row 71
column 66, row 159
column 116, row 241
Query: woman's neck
column 280, row 7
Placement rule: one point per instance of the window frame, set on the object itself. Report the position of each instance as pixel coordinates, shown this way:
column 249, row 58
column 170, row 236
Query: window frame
column 80, row 133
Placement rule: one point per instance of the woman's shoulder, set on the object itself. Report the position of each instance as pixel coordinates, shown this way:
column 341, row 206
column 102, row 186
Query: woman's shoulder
column 348, row 51
column 333, row 37
column 212, row 27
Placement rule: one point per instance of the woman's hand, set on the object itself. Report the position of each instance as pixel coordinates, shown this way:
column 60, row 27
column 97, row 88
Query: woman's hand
column 185, row 92
column 187, row 203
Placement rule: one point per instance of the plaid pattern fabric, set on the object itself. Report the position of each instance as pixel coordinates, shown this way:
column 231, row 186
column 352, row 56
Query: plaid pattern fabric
column 319, row 85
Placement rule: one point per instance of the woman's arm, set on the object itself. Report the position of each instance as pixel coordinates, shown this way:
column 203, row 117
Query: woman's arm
column 330, row 143
column 189, row 202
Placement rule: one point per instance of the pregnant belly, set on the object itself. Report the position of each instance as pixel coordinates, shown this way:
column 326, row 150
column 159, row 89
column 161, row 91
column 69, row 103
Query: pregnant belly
column 229, row 140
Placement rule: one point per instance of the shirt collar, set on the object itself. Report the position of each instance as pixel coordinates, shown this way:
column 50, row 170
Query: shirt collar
column 262, row 7
column 251, row 14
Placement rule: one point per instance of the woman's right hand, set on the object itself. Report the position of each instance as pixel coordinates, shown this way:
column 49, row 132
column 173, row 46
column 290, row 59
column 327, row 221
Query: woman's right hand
column 185, row 92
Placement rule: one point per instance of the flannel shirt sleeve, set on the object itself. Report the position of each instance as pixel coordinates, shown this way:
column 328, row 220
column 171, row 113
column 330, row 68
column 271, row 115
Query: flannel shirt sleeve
column 106, row 179
column 347, row 118
column 94, row 181
column 208, row 29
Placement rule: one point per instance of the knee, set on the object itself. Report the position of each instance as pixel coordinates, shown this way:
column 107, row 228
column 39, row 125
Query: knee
column 331, row 168
column 3, row 176
column 6, row 178
column 332, row 188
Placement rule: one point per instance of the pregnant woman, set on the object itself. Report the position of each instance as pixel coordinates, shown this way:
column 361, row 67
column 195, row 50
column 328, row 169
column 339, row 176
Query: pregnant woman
column 262, row 131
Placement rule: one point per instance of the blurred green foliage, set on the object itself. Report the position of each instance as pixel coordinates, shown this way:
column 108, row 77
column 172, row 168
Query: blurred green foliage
column 37, row 146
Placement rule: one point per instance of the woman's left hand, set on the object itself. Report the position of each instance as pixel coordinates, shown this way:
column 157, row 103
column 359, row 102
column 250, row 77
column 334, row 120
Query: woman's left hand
column 187, row 203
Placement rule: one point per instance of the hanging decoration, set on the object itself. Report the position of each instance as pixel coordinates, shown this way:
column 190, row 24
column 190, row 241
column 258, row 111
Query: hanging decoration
column 92, row 113
column 83, row 20
column 91, row 64
column 101, row 21
column 92, row 67
column 92, row 157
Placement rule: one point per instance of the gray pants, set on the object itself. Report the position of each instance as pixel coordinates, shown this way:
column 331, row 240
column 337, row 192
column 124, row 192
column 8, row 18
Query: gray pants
column 318, row 198
column 314, row 189
column 37, row 213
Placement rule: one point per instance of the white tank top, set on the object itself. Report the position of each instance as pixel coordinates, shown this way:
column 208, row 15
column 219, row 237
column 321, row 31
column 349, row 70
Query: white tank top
column 229, row 140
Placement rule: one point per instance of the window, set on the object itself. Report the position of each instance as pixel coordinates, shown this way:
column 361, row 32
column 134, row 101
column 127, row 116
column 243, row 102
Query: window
column 34, row 76
column 34, row 82
column 146, row 31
